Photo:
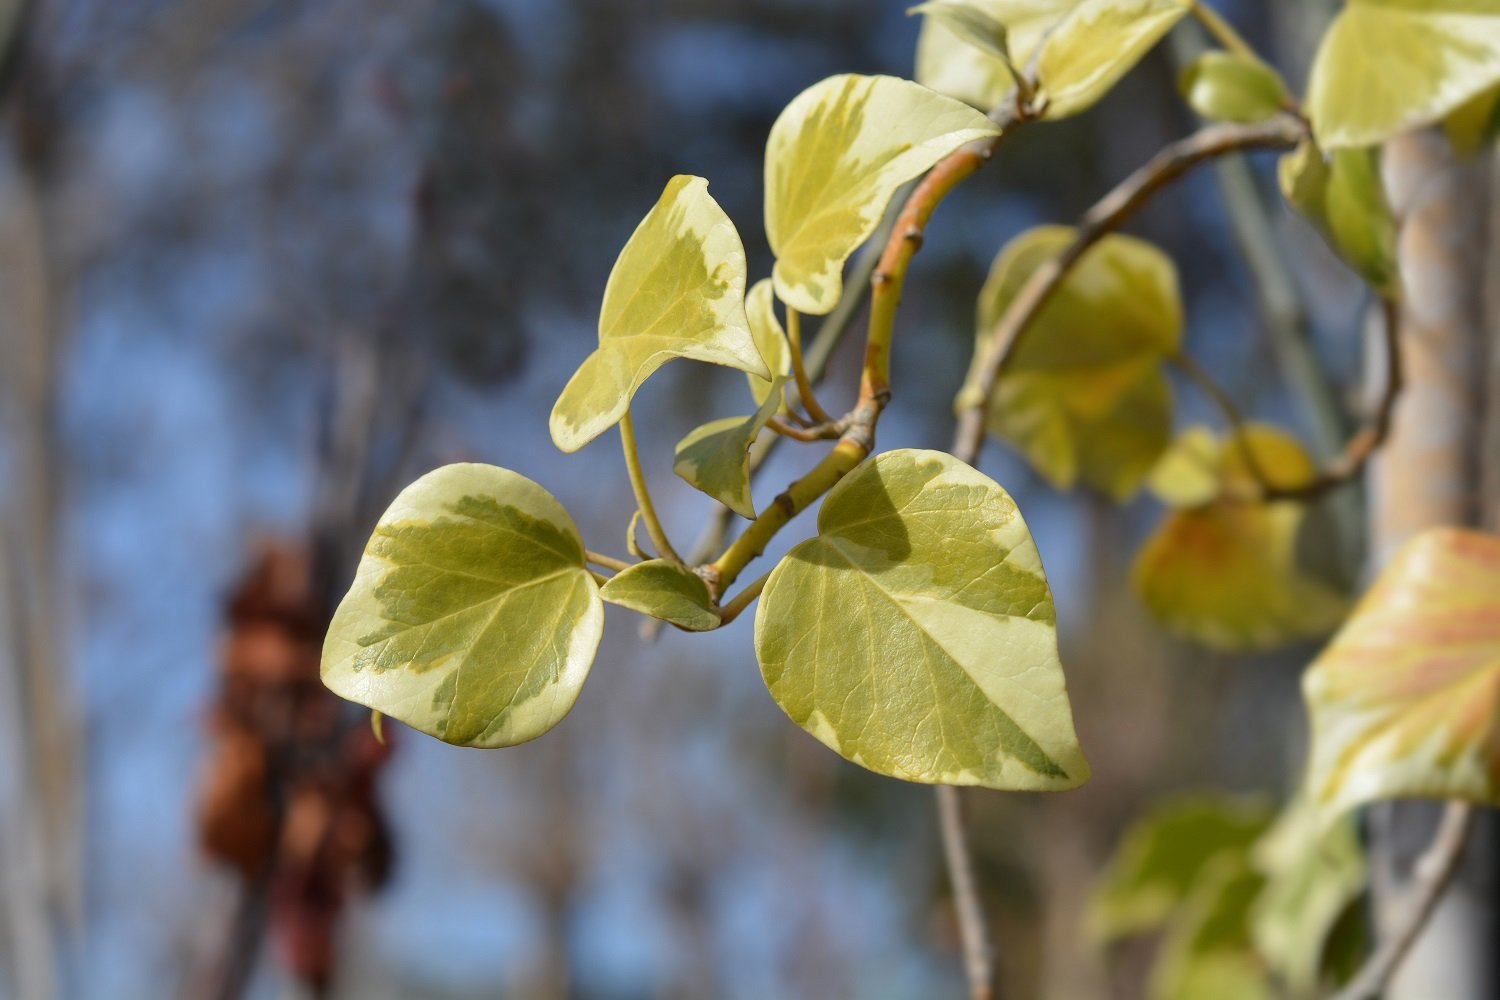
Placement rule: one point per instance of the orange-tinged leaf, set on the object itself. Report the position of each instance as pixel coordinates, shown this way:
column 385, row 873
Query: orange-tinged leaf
column 1405, row 701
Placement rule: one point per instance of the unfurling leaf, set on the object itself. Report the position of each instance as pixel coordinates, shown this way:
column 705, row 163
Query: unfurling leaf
column 1228, row 87
column 1342, row 196
column 951, row 64
column 1097, row 43
column 1386, row 66
column 915, row 635
column 1225, row 573
column 676, row 291
column 1084, row 397
column 835, row 157
column 1161, row 857
column 770, row 338
column 1315, row 877
column 472, row 616
column 664, row 590
column 1405, row 701
column 715, row 458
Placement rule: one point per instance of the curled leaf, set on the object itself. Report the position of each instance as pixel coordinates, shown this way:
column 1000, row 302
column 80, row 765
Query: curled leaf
column 664, row 590
column 715, row 457
column 1343, row 198
column 770, row 338
column 1225, row 86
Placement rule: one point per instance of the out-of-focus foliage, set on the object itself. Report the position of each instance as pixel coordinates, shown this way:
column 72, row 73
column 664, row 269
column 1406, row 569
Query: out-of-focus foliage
column 1386, row 66
column 1084, row 396
column 1404, row 700
column 1342, row 196
column 834, row 158
column 915, row 635
column 1222, row 569
column 1228, row 87
column 677, row 291
column 472, row 616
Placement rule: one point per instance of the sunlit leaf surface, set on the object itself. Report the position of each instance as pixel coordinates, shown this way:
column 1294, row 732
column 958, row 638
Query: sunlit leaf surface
column 1097, row 43
column 472, row 616
column 770, row 338
column 952, row 65
column 835, row 156
column 1386, row 66
column 1343, row 197
column 915, row 635
column 1225, row 572
column 1404, row 701
column 715, row 457
column 971, row 23
column 676, row 291
column 1084, row 397
column 1162, row 855
column 1227, row 87
column 664, row 590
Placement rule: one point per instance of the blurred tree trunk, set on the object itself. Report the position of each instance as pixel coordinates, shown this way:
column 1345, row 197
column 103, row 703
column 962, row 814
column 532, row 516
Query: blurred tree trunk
column 1429, row 474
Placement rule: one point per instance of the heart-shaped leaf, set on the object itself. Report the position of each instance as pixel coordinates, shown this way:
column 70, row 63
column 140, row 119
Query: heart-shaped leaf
column 835, row 157
column 1097, row 43
column 664, row 590
column 1225, row 573
column 715, row 457
column 472, row 616
column 1406, row 699
column 915, row 635
column 1386, row 66
column 1084, row 396
column 676, row 291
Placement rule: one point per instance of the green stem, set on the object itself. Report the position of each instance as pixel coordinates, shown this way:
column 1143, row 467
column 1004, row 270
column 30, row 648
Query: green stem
column 799, row 369
column 1223, row 32
column 608, row 562
column 642, row 495
column 730, row 611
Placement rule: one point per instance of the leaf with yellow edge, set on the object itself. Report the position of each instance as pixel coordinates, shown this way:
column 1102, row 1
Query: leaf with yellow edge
column 1228, row 87
column 916, row 636
column 1225, row 572
column 472, row 616
column 1084, row 396
column 1386, row 66
column 664, row 590
column 1314, row 877
column 1344, row 199
column 1162, row 855
column 1096, row 44
column 676, row 291
column 835, row 157
column 953, row 65
column 770, row 338
column 715, row 458
column 1404, row 701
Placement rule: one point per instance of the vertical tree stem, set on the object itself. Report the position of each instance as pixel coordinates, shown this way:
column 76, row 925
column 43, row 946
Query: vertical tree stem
column 973, row 927
column 642, row 494
column 799, row 368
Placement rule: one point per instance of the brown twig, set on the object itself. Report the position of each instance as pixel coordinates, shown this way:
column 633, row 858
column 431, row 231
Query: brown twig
column 828, row 431
column 973, row 928
column 1433, row 872
column 1109, row 214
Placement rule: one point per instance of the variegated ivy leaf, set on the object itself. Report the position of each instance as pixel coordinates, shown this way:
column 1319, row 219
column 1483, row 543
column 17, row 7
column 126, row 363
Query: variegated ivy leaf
column 472, row 616
column 1406, row 699
column 715, row 458
column 1084, row 396
column 1096, row 44
column 1225, row 573
column 1344, row 199
column 770, row 338
column 1386, row 66
column 1082, row 48
column 915, row 635
column 835, row 157
column 1315, row 877
column 971, row 23
column 1162, row 856
column 1229, row 87
column 664, row 590
column 676, row 291
column 951, row 64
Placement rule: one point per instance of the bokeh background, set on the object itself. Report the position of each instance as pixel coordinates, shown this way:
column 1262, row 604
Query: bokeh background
column 265, row 261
